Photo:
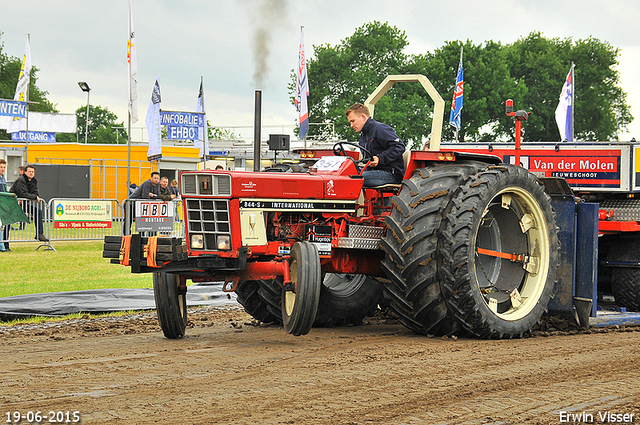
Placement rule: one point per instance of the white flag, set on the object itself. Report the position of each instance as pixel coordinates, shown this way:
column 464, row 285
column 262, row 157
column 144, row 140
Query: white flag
column 203, row 132
column 302, row 90
column 564, row 111
column 22, row 90
column 153, row 123
column 132, row 59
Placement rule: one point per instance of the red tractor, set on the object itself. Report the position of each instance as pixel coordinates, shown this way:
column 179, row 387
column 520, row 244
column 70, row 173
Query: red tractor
column 465, row 243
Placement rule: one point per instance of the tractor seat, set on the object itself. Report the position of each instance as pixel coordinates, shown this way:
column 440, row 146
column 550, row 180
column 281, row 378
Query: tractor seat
column 389, row 187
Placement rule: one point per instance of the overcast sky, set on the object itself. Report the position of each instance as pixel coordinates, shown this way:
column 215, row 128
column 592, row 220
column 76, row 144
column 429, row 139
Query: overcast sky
column 85, row 40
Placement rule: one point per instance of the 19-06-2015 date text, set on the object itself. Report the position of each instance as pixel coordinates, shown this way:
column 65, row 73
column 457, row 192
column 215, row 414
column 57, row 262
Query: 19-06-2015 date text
column 38, row 417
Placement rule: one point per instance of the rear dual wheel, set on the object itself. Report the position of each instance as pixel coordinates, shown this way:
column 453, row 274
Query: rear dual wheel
column 471, row 248
column 499, row 253
column 248, row 294
column 625, row 281
column 411, row 246
column 345, row 299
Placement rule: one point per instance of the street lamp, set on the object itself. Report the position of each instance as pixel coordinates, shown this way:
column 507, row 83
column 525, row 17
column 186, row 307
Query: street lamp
column 85, row 88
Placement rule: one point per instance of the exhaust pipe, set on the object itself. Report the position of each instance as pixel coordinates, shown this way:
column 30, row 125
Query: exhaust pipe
column 257, row 124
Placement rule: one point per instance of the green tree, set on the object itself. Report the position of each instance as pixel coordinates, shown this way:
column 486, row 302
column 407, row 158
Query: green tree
column 601, row 109
column 348, row 73
column 487, row 84
column 216, row 133
column 529, row 71
column 103, row 127
column 542, row 64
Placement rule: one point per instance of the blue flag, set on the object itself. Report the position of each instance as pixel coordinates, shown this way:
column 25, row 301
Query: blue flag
column 456, row 105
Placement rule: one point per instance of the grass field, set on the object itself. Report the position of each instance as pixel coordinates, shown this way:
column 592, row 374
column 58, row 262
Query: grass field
column 77, row 265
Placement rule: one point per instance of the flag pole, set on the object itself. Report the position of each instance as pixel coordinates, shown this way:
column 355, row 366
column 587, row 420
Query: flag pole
column 573, row 98
column 453, row 105
column 205, row 148
column 129, row 100
column 26, row 98
column 305, row 136
column 457, row 130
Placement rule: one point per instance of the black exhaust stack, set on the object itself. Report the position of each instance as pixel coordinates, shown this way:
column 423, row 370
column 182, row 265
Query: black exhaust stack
column 257, row 124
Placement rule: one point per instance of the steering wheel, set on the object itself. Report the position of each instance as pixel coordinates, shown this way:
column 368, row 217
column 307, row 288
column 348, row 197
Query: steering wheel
column 338, row 150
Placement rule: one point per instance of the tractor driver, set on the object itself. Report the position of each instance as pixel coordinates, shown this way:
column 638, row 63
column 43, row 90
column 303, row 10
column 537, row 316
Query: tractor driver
column 387, row 164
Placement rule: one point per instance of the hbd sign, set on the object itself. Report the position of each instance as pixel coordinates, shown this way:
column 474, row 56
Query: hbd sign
column 154, row 216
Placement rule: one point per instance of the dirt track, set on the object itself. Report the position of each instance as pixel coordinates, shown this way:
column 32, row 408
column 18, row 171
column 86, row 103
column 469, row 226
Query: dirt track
column 230, row 370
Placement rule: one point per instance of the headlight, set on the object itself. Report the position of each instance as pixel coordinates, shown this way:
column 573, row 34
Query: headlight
column 197, row 241
column 224, row 243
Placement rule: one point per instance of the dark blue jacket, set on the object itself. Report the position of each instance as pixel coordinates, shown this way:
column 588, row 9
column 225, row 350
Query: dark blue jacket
column 382, row 141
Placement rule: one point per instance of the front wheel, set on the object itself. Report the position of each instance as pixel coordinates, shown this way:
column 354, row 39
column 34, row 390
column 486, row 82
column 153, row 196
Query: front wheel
column 500, row 253
column 300, row 297
column 171, row 304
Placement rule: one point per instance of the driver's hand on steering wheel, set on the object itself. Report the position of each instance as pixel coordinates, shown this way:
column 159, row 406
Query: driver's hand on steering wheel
column 374, row 162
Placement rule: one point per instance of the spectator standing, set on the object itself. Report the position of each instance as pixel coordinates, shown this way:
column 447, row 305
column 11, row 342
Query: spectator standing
column 4, row 246
column 165, row 192
column 26, row 186
column 176, row 192
column 174, row 188
column 150, row 189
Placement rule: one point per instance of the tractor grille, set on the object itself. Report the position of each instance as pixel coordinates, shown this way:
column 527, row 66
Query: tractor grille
column 209, row 218
column 206, row 184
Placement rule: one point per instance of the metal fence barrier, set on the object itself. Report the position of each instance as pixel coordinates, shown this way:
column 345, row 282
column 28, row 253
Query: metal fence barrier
column 45, row 219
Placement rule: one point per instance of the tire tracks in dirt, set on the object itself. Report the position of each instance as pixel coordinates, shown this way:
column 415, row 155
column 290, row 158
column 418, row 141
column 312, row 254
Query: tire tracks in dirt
column 373, row 374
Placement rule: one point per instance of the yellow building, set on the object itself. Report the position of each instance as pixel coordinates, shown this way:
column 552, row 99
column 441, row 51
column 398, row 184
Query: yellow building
column 107, row 164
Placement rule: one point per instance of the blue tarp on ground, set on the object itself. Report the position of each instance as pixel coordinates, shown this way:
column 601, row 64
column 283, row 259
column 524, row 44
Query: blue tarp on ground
column 106, row 300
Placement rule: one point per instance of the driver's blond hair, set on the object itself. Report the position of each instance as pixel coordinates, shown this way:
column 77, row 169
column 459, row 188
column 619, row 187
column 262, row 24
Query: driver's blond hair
column 358, row 108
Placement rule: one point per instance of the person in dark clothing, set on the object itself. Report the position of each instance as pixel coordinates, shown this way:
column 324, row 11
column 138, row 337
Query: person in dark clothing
column 26, row 186
column 387, row 164
column 150, row 189
column 165, row 192
column 4, row 246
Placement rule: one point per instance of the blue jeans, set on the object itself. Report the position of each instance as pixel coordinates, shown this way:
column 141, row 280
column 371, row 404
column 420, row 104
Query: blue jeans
column 373, row 178
column 36, row 215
